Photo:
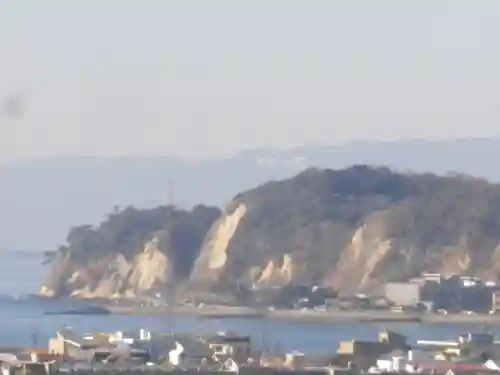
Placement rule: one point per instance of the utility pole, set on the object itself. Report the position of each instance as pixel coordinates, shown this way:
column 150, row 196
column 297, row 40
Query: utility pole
column 170, row 207
column 169, row 308
column 170, row 197
column 263, row 329
column 34, row 337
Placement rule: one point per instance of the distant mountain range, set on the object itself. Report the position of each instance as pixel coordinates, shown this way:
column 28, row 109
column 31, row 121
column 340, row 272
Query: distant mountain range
column 41, row 199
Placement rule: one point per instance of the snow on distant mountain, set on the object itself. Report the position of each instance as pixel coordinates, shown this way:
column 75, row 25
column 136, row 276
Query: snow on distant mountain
column 41, row 199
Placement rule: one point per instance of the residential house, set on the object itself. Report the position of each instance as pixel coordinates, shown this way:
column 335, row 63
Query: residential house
column 68, row 344
column 492, row 364
column 177, row 351
column 299, row 361
column 22, row 364
column 365, row 353
column 470, row 370
column 230, row 345
column 96, row 348
column 395, row 361
column 191, row 353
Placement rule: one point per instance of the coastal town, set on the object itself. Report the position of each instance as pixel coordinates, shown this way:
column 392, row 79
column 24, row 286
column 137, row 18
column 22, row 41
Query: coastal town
column 70, row 350
column 249, row 187
column 431, row 297
column 153, row 352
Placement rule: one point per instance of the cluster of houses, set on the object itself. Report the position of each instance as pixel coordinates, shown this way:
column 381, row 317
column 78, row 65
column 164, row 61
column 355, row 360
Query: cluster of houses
column 436, row 292
column 67, row 351
column 469, row 354
column 128, row 350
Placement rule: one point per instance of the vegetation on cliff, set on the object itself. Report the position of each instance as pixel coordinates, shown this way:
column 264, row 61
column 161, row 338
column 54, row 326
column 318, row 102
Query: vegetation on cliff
column 352, row 229
column 91, row 250
column 359, row 227
column 125, row 231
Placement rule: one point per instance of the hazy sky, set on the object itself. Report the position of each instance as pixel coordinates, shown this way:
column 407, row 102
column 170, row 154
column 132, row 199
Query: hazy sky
column 208, row 78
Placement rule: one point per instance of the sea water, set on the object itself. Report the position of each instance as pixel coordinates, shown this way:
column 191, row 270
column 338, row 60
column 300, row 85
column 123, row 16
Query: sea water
column 23, row 321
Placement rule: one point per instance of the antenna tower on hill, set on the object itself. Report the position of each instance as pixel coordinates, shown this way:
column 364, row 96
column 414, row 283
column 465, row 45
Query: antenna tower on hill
column 170, row 197
column 169, row 299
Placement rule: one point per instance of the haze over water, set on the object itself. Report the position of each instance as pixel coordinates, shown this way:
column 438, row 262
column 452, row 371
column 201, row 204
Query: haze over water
column 23, row 323
column 20, row 272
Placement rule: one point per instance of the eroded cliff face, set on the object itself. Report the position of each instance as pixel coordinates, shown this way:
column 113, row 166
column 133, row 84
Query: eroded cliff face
column 112, row 276
column 363, row 256
column 353, row 229
column 273, row 275
column 214, row 254
column 370, row 257
column 133, row 252
column 353, row 266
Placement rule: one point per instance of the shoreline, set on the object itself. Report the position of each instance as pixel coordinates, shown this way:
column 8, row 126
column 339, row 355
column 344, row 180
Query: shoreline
column 375, row 317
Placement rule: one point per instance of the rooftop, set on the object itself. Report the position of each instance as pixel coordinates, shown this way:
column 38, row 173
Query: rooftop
column 222, row 338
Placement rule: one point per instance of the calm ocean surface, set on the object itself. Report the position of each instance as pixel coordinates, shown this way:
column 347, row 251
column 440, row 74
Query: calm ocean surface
column 23, row 323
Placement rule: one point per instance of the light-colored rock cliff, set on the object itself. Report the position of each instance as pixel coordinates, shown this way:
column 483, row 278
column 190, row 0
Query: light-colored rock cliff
column 367, row 252
column 274, row 275
column 151, row 270
column 114, row 276
column 214, row 251
column 133, row 252
column 353, row 229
